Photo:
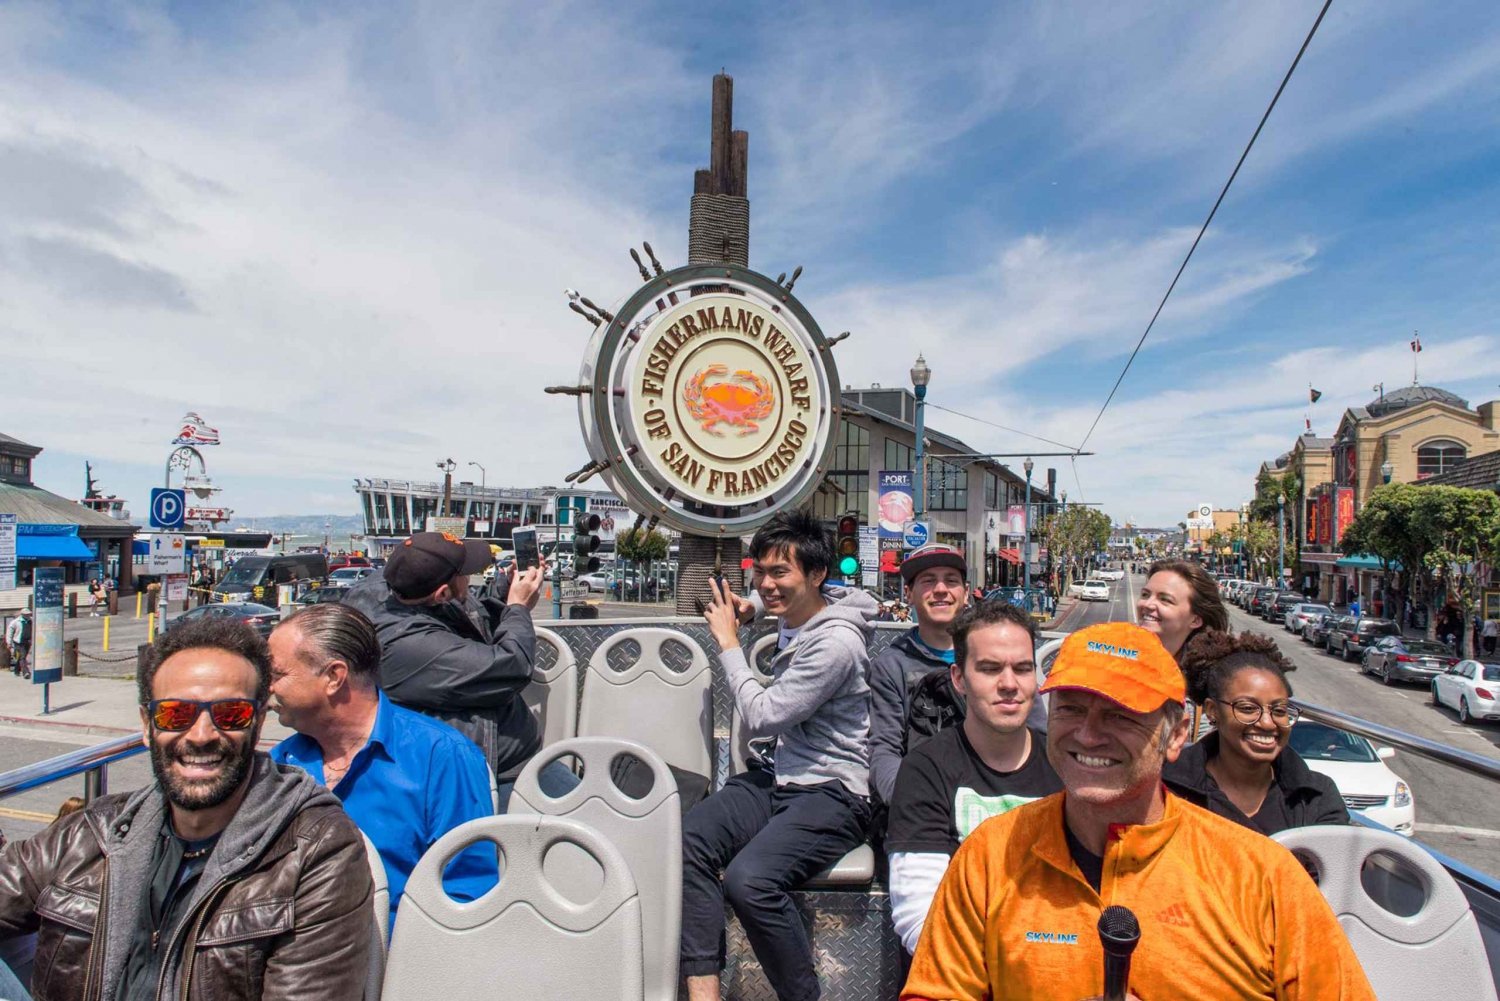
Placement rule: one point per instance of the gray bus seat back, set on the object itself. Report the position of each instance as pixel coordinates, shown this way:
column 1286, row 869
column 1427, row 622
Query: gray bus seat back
column 1435, row 952
column 669, row 711
column 569, row 950
column 552, row 693
column 739, row 741
column 647, row 831
column 380, row 905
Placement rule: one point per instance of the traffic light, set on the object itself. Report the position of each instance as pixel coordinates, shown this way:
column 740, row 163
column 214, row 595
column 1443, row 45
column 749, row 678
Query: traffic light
column 846, row 549
column 585, row 542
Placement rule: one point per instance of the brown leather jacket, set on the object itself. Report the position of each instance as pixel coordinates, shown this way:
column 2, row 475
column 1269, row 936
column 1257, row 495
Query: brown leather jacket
column 282, row 910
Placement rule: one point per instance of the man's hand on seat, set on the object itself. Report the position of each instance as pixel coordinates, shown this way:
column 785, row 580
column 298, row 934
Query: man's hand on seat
column 526, row 586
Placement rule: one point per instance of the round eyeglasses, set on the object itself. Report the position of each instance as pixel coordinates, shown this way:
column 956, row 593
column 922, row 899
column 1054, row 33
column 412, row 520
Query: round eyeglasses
column 1249, row 712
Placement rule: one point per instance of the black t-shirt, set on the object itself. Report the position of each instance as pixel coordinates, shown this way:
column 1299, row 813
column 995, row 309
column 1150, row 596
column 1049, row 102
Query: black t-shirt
column 1091, row 865
column 944, row 790
column 176, row 865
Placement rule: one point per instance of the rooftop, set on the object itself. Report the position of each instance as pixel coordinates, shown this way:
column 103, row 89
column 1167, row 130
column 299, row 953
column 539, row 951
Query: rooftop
column 35, row 506
column 1410, row 396
column 1478, row 472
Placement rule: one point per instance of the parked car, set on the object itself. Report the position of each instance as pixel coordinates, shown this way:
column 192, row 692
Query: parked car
column 1471, row 688
column 599, row 580
column 1113, row 573
column 340, row 562
column 1316, row 629
column 1094, row 589
column 1277, row 608
column 1302, row 613
column 346, row 577
column 1359, row 770
column 1075, row 589
column 1258, row 598
column 262, row 618
column 1396, row 658
column 323, row 595
column 1350, row 637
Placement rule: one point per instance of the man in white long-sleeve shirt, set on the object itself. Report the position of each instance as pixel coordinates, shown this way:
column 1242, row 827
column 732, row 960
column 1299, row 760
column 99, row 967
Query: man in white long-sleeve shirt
column 966, row 774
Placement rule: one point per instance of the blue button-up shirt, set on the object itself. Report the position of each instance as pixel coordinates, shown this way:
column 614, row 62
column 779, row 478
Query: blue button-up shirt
column 414, row 780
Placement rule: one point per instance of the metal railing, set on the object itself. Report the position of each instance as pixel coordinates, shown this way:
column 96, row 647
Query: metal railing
column 1476, row 764
column 90, row 762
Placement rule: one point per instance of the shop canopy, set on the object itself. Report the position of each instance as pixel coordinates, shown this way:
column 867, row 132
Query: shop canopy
column 1364, row 561
column 1010, row 555
column 51, row 542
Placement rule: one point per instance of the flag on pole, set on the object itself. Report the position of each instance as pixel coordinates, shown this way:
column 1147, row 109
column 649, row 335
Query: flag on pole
column 1416, row 343
column 1313, row 395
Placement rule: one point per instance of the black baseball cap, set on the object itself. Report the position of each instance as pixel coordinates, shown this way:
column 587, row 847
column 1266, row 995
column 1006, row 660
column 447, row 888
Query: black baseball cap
column 428, row 560
column 934, row 554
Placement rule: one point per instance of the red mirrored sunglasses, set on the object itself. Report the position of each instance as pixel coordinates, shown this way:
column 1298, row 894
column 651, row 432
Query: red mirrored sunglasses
column 180, row 714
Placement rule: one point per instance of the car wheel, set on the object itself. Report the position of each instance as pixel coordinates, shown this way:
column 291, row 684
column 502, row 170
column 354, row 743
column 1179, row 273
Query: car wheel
column 1344, row 653
column 1386, row 675
column 1464, row 716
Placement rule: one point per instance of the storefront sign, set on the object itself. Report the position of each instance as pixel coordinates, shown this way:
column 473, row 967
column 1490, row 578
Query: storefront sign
column 1345, row 511
column 8, row 529
column 894, row 504
column 453, row 526
column 1325, row 519
column 47, row 629
column 869, row 555
column 712, row 410
column 890, row 555
column 1015, row 517
column 210, row 543
column 1311, row 521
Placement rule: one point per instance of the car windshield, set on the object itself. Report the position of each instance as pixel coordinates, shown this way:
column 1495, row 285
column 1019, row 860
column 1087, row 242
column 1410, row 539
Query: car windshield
column 1317, row 742
column 348, row 573
column 1314, row 609
column 1428, row 648
column 244, row 573
column 1379, row 628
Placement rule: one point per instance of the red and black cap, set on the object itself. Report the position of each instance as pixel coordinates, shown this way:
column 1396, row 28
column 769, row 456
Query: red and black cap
column 428, row 560
column 934, row 554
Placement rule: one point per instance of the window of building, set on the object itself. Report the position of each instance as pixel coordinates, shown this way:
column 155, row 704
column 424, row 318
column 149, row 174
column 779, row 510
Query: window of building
column 991, row 492
column 898, row 456
column 1438, row 457
column 370, row 526
column 401, row 525
column 947, row 485
column 847, row 486
column 421, row 508
column 382, row 515
column 20, row 467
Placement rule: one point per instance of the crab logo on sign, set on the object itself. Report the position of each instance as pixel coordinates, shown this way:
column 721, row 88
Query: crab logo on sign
column 729, row 402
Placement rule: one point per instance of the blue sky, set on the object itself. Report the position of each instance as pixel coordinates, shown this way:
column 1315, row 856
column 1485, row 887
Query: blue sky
column 341, row 231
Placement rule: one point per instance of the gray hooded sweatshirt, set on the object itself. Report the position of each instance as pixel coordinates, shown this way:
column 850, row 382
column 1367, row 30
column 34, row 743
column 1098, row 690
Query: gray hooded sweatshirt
column 817, row 705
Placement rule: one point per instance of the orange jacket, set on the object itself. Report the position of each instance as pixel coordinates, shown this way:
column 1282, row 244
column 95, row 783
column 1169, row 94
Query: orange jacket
column 1225, row 912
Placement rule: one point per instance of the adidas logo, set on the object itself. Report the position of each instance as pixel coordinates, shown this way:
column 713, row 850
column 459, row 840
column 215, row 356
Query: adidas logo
column 1175, row 915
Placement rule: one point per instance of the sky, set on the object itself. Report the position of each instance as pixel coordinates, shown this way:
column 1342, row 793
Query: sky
column 341, row 231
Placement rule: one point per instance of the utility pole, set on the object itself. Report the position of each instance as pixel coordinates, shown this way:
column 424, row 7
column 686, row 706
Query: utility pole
column 1280, row 539
column 447, row 466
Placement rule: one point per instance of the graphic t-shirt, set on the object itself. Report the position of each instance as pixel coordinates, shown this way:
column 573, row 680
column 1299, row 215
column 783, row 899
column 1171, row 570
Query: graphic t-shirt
column 944, row 790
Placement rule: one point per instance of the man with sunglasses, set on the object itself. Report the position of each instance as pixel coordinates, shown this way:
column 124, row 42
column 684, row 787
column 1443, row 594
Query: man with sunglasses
column 228, row 877
column 1017, row 913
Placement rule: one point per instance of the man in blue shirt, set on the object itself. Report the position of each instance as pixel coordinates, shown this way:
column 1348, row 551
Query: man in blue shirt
column 406, row 779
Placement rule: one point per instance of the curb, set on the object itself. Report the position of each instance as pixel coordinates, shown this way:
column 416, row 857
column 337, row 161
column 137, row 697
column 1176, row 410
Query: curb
column 42, row 724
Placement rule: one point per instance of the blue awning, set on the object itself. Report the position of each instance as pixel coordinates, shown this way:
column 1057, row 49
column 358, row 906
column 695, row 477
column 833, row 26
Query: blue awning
column 52, row 542
column 1366, row 562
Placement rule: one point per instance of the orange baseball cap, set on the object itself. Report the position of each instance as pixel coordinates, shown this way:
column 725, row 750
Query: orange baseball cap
column 1120, row 661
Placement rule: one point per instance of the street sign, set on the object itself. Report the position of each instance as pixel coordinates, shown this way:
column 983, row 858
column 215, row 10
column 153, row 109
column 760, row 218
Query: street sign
column 869, row 555
column 915, row 534
column 453, row 526
column 47, row 632
column 167, row 508
column 8, row 529
column 176, row 588
column 167, row 554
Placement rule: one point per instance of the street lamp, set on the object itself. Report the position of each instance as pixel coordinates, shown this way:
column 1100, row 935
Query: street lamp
column 1244, row 539
column 1028, row 465
column 447, row 466
column 1280, row 538
column 920, row 376
column 1386, row 470
column 481, row 473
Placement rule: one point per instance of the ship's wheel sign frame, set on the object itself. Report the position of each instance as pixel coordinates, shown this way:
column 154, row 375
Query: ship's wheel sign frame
column 713, row 400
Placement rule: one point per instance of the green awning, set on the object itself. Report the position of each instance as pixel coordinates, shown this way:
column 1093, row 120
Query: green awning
column 1364, row 561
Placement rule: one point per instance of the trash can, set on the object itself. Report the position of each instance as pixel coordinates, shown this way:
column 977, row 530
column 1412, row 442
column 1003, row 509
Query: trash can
column 583, row 610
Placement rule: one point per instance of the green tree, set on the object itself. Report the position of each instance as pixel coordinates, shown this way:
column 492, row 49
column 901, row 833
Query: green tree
column 1074, row 535
column 1439, row 535
column 641, row 546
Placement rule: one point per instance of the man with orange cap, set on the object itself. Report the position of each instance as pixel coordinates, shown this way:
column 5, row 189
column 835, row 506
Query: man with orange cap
column 1018, row 910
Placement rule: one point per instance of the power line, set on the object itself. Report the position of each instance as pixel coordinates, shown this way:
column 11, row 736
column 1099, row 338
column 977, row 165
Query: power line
column 1002, row 427
column 1204, row 229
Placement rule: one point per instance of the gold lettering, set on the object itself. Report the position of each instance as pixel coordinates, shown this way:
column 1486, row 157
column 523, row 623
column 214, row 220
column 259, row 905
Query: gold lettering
column 691, row 326
column 714, row 476
column 756, row 323
column 707, row 320
column 656, row 423
column 670, row 453
column 774, row 339
column 742, row 320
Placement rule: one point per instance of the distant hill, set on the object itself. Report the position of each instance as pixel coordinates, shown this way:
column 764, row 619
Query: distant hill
column 340, row 526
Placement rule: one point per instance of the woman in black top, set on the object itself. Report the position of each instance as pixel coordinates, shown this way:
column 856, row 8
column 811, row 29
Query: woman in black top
column 1244, row 769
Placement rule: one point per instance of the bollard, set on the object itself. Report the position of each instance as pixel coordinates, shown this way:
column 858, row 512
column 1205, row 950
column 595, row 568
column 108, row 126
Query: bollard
column 138, row 597
column 106, row 632
column 185, row 600
column 114, row 603
column 150, row 627
column 73, row 604
column 70, row 658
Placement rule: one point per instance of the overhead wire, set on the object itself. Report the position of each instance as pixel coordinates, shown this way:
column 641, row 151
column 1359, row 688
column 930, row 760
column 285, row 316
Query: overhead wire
column 1204, row 228
column 1002, row 427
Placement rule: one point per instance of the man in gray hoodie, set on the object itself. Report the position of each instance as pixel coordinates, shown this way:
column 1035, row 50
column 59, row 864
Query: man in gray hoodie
column 775, row 825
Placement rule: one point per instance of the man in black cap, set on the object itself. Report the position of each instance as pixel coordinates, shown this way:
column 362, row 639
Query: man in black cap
column 913, row 671
column 456, row 657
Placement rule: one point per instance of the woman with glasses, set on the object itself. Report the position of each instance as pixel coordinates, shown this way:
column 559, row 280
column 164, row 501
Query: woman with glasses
column 1243, row 769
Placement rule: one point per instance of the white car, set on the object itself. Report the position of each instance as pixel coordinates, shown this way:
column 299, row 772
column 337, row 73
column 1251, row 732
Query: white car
column 1094, row 589
column 1113, row 574
column 348, row 576
column 1303, row 613
column 1471, row 688
column 1358, row 768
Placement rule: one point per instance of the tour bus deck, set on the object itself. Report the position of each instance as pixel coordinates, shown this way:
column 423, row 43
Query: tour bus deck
column 857, row 952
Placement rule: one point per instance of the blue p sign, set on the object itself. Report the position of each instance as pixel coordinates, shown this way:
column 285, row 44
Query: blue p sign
column 167, row 508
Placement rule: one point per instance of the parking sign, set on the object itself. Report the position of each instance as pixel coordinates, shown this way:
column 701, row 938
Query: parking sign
column 167, row 508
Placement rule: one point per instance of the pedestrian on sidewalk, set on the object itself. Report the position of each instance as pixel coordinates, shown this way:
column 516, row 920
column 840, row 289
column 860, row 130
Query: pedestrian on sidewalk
column 1490, row 632
column 18, row 638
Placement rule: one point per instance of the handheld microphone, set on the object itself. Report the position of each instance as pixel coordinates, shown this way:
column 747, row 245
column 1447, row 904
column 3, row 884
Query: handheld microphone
column 1120, row 933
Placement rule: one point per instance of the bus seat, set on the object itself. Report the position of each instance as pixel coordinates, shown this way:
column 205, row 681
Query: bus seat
column 552, row 694
column 380, row 905
column 855, row 869
column 761, row 652
column 646, row 830
column 1435, row 949
column 570, row 949
column 667, row 710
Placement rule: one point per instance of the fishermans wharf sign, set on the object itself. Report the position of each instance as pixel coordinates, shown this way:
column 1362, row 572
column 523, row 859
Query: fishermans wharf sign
column 712, row 399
